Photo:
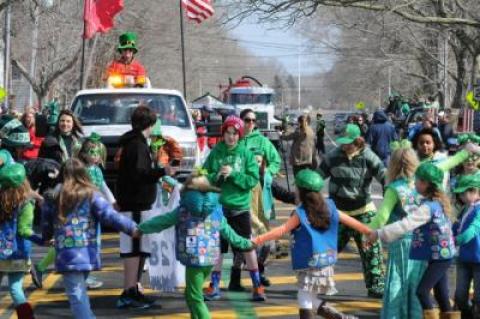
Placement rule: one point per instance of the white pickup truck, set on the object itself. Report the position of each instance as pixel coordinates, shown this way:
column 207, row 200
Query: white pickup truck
column 107, row 112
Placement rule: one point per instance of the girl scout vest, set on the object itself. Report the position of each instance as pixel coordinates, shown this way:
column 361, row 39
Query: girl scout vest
column 312, row 248
column 198, row 238
column 470, row 251
column 433, row 240
column 12, row 246
column 407, row 195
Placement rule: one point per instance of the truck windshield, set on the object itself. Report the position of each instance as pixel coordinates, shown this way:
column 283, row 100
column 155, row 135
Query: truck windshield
column 114, row 109
column 237, row 98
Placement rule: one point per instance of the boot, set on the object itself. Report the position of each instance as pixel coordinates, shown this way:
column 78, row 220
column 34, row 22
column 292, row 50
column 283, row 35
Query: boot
column 24, row 311
column 235, row 277
column 305, row 314
column 329, row 312
column 450, row 315
column 430, row 314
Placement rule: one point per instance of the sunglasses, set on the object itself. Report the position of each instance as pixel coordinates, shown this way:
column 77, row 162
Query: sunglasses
column 249, row 120
column 94, row 152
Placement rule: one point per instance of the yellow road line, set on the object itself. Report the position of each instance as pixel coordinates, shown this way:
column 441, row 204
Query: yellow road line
column 278, row 311
column 110, row 236
column 111, row 250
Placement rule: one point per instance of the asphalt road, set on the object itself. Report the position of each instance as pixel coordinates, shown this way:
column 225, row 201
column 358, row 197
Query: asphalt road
column 51, row 301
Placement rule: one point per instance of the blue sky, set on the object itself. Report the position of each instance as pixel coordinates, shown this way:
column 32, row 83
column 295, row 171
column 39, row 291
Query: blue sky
column 278, row 43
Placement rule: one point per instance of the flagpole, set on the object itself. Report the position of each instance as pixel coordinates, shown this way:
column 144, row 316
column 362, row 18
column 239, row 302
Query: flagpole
column 182, row 40
column 84, row 44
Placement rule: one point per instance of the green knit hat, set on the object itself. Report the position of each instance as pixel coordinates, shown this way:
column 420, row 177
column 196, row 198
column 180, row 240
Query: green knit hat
column 12, row 176
column 13, row 133
column 466, row 182
column 430, row 173
column 127, row 41
column 351, row 133
column 309, row 180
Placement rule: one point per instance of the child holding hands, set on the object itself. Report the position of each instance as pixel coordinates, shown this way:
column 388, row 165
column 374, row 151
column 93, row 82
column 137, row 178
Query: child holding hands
column 432, row 239
column 314, row 227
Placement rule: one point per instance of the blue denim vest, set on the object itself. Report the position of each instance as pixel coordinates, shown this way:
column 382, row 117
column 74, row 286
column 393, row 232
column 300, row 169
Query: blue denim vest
column 433, row 240
column 12, row 246
column 198, row 238
column 312, row 248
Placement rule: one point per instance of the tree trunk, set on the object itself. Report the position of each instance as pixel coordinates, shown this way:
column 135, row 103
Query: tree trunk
column 460, row 58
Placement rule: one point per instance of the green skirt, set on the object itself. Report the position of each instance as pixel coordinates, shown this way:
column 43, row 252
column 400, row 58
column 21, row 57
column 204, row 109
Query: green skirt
column 403, row 275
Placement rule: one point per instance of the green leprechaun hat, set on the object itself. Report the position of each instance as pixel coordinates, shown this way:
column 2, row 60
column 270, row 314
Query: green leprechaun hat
column 12, row 176
column 127, row 41
column 309, row 180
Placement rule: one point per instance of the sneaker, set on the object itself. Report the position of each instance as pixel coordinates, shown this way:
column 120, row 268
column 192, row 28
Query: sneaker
column 211, row 293
column 331, row 291
column 329, row 312
column 130, row 299
column 259, row 294
column 37, row 276
column 375, row 293
column 93, row 282
column 264, row 280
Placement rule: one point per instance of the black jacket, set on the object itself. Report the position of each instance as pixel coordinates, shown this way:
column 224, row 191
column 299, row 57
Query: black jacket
column 137, row 175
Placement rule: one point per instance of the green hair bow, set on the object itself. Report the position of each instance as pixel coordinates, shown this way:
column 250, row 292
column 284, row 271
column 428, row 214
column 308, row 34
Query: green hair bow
column 402, row 144
column 469, row 137
column 200, row 171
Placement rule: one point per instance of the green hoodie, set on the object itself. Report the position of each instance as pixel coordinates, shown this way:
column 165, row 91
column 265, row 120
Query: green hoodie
column 254, row 142
column 236, row 189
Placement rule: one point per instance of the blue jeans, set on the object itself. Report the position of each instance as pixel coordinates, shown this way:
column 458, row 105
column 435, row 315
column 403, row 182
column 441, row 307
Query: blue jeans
column 76, row 290
column 15, row 286
column 466, row 272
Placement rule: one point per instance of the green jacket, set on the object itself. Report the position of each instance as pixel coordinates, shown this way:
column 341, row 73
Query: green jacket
column 350, row 179
column 256, row 142
column 236, row 189
column 162, row 222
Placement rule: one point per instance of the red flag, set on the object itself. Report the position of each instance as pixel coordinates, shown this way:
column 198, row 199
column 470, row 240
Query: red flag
column 198, row 10
column 98, row 15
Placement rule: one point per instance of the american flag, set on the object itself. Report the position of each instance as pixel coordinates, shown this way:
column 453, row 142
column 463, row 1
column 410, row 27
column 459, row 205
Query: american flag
column 198, row 10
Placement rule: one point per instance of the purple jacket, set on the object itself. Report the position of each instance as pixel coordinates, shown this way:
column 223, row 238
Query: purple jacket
column 77, row 240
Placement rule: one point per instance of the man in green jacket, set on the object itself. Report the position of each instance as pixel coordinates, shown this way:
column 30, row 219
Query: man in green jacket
column 262, row 197
column 351, row 168
column 233, row 169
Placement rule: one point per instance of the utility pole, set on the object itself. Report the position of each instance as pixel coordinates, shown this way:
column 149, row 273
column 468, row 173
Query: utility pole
column 445, row 66
column 6, row 66
column 299, row 79
column 33, row 57
column 389, row 80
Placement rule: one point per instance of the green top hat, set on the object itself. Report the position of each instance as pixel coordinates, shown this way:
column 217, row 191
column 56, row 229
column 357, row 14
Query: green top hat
column 466, row 182
column 309, row 180
column 127, row 41
column 430, row 173
column 157, row 128
column 95, row 137
column 13, row 133
column 12, row 176
column 351, row 133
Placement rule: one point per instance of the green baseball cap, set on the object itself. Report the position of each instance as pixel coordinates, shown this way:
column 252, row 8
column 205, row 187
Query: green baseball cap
column 430, row 173
column 466, row 182
column 351, row 133
column 12, row 176
column 309, row 180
